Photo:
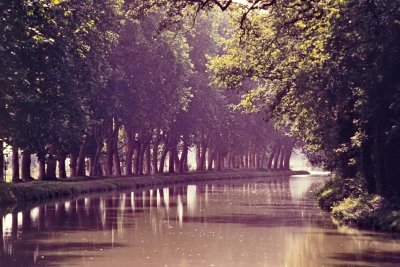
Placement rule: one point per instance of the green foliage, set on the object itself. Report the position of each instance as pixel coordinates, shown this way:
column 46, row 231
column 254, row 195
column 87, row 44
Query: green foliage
column 74, row 73
column 54, row 63
column 351, row 205
column 337, row 189
column 371, row 212
column 329, row 77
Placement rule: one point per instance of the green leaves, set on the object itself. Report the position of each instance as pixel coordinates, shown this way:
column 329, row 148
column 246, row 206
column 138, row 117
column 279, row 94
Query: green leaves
column 56, row 2
column 56, row 68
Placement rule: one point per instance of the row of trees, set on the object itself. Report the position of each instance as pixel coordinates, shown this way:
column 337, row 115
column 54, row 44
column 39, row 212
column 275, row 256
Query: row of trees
column 98, row 85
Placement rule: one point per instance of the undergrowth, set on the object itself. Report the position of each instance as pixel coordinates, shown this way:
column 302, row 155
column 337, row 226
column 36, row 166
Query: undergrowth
column 351, row 205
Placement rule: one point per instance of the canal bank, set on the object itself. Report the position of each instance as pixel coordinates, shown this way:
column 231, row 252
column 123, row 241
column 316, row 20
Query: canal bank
column 351, row 205
column 12, row 195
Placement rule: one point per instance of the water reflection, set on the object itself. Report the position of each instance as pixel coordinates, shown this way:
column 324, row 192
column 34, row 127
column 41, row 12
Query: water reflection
column 241, row 223
column 165, row 192
column 300, row 186
column 191, row 199
column 180, row 210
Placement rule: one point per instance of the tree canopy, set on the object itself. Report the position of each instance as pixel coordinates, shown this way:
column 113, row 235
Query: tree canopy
column 329, row 77
column 120, row 87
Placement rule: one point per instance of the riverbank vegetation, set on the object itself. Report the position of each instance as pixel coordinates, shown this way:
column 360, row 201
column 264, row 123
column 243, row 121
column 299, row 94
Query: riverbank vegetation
column 350, row 204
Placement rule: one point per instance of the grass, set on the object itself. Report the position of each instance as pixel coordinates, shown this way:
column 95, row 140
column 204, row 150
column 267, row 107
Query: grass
column 42, row 191
column 351, row 205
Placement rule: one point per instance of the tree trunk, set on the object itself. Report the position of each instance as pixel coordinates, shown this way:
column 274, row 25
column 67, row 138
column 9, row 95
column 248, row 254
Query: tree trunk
column 42, row 168
column 198, row 157
column 81, row 161
column 26, row 166
column 204, row 147
column 155, row 157
column 257, row 160
column 171, row 161
column 203, row 160
column 241, row 161
column 51, row 167
column 115, row 160
column 117, row 163
column 246, row 160
column 141, row 158
column 219, row 161
column 137, row 158
column 183, row 160
column 176, row 161
column 162, row 159
column 276, row 158
column 148, row 160
column 271, row 157
column 15, row 164
column 282, row 157
column 73, row 165
column 2, row 250
column 99, row 170
column 231, row 159
column 1, row 164
column 251, row 159
column 367, row 165
column 210, row 158
column 109, row 157
column 129, row 148
column 91, row 164
column 262, row 160
column 288, row 155
column 228, row 161
column 96, row 160
column 62, row 172
column 392, row 165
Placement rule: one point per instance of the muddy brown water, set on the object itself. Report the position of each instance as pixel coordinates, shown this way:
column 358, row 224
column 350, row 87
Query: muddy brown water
column 251, row 222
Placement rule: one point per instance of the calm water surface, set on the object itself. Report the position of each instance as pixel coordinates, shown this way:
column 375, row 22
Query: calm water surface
column 263, row 222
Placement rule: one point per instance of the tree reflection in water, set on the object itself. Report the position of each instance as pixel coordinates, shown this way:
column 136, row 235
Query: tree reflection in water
column 244, row 222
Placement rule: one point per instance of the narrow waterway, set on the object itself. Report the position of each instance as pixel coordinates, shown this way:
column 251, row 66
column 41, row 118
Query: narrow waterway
column 256, row 222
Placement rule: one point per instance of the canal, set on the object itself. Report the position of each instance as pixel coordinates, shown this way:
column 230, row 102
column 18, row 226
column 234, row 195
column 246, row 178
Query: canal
column 256, row 222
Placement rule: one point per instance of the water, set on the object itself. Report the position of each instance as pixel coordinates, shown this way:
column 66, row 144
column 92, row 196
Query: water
column 262, row 222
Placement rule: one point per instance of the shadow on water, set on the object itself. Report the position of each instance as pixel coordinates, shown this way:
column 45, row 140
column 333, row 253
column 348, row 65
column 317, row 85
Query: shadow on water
column 256, row 220
column 369, row 256
column 29, row 254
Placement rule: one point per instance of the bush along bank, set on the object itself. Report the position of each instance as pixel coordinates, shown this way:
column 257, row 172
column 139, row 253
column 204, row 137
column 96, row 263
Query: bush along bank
column 351, row 205
column 43, row 191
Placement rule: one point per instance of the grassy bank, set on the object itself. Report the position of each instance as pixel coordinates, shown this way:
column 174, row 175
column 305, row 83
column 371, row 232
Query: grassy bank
column 42, row 191
column 350, row 205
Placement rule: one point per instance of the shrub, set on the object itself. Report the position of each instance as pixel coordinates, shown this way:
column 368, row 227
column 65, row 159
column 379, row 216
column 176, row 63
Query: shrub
column 336, row 190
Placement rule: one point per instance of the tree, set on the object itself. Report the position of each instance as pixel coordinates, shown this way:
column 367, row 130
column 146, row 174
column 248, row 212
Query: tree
column 329, row 77
column 54, row 61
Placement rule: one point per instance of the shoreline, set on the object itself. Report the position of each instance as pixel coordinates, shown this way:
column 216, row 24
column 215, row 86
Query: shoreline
column 33, row 193
column 349, row 205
